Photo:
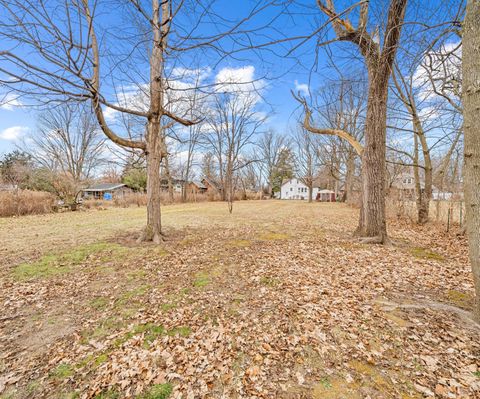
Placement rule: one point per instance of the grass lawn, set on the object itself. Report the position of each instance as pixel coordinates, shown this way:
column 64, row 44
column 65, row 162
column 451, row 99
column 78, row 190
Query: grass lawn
column 273, row 301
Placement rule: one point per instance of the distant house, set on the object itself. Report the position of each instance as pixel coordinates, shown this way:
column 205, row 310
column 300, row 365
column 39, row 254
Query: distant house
column 106, row 191
column 177, row 185
column 195, row 187
column 326, row 196
column 438, row 195
column 403, row 186
column 295, row 189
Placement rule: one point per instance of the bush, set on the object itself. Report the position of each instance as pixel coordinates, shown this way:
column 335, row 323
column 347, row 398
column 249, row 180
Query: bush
column 25, row 202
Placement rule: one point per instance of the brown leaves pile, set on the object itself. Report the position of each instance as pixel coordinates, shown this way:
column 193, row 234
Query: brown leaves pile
column 246, row 312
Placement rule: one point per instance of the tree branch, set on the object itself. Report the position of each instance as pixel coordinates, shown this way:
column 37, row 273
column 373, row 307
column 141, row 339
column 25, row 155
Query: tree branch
column 331, row 132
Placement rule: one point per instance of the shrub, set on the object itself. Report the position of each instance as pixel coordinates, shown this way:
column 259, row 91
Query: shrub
column 25, row 202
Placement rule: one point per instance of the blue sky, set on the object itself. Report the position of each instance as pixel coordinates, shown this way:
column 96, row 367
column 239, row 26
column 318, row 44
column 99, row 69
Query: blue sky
column 279, row 73
column 279, row 70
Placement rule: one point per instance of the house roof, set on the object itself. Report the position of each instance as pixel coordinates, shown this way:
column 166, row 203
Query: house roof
column 211, row 183
column 198, row 184
column 105, row 187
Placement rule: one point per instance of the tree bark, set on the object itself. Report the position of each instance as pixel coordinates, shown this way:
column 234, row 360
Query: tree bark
column 373, row 158
column 153, row 230
column 155, row 140
column 471, row 126
column 372, row 226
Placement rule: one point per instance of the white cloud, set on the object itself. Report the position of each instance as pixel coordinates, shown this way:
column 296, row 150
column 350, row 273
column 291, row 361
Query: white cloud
column 302, row 88
column 240, row 82
column 8, row 102
column 190, row 75
column 13, row 133
column 110, row 114
column 236, row 75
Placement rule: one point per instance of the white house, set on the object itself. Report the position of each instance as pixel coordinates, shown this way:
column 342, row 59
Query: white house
column 295, row 189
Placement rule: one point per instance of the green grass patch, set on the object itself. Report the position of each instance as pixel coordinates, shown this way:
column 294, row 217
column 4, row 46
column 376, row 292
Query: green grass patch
column 128, row 296
column 271, row 236
column 103, row 329
column 239, row 243
column 151, row 332
column 325, row 382
column 136, row 275
column 461, row 299
column 424, row 253
column 92, row 361
column 268, row 281
column 202, row 279
column 110, row 394
column 158, row 391
column 62, row 371
column 99, row 303
column 55, row 264
column 182, row 331
column 168, row 306
column 100, row 359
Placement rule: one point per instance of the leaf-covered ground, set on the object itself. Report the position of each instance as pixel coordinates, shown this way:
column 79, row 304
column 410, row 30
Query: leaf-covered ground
column 274, row 301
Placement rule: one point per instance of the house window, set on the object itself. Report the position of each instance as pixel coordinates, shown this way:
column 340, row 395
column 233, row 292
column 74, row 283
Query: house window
column 291, row 188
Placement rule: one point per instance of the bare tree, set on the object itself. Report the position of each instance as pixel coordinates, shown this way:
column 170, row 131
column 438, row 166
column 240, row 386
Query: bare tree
column 379, row 61
column 67, row 51
column 233, row 121
column 306, row 159
column 471, row 106
column 68, row 141
column 342, row 106
column 405, row 91
column 271, row 148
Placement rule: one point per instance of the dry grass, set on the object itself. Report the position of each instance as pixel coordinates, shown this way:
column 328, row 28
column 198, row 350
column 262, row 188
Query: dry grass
column 25, row 202
column 36, row 235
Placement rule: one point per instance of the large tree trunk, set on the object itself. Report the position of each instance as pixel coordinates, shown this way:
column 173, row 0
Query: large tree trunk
column 423, row 196
column 153, row 230
column 155, row 148
column 310, row 193
column 471, row 125
column 374, row 227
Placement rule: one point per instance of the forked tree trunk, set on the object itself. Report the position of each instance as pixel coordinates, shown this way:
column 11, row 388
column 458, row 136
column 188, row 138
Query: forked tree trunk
column 471, row 125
